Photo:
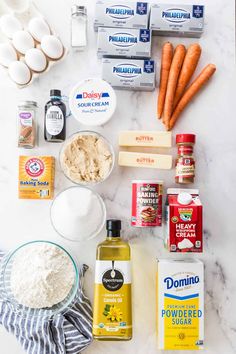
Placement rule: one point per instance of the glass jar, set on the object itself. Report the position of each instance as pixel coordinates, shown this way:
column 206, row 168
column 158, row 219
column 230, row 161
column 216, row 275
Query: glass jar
column 78, row 27
column 27, row 124
column 185, row 163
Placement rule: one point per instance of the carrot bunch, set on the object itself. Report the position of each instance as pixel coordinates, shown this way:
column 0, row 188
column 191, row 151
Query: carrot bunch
column 177, row 69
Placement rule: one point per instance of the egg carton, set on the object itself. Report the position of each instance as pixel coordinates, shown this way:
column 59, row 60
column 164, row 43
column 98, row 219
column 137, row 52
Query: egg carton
column 17, row 49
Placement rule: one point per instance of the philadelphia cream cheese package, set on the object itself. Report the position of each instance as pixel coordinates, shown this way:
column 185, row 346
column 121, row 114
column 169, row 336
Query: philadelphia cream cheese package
column 131, row 74
column 180, row 304
column 125, row 14
column 177, row 20
column 119, row 42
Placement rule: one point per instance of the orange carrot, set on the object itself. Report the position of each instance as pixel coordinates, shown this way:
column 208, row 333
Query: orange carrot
column 166, row 59
column 175, row 68
column 193, row 89
column 189, row 65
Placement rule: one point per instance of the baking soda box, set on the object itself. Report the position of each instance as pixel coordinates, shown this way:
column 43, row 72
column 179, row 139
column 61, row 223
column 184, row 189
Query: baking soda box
column 180, row 304
column 183, row 220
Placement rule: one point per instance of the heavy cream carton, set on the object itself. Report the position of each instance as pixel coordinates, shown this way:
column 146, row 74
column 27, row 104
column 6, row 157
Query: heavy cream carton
column 124, row 14
column 119, row 42
column 131, row 74
column 177, row 20
column 180, row 304
column 183, row 220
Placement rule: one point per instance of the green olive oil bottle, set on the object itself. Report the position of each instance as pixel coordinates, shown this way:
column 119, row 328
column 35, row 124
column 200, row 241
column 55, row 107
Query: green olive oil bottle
column 112, row 318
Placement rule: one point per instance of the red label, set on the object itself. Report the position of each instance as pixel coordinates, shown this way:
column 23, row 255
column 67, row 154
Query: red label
column 184, row 225
column 34, row 167
column 146, row 204
column 185, row 167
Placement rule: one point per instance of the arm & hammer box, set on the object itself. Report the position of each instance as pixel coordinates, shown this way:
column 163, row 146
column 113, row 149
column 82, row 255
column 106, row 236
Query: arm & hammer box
column 180, row 304
column 131, row 74
column 177, row 20
column 125, row 14
column 119, row 42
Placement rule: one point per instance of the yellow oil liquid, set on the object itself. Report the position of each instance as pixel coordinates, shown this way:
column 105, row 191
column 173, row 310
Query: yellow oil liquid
column 113, row 255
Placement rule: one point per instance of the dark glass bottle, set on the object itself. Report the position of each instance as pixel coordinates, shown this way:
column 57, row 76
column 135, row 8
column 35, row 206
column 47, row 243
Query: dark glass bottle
column 55, row 118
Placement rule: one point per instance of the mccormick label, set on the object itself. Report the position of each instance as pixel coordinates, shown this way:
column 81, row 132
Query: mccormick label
column 123, row 14
column 36, row 177
column 181, row 20
column 146, row 203
column 180, row 304
column 130, row 74
column 112, row 305
column 183, row 222
column 131, row 43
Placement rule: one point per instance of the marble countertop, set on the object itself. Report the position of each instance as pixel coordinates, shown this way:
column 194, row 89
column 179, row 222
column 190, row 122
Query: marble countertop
column 211, row 116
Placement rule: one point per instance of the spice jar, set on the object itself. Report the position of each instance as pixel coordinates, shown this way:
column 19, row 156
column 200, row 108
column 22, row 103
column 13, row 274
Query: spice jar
column 26, row 123
column 185, row 163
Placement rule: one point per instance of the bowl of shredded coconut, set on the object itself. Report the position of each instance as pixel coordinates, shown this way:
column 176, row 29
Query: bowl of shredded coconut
column 39, row 278
column 87, row 158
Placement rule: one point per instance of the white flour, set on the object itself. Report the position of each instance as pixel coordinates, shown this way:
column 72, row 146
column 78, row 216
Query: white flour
column 42, row 275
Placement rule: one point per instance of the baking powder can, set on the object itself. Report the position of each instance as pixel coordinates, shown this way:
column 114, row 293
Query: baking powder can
column 146, row 203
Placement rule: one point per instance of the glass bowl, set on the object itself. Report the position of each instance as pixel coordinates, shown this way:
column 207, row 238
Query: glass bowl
column 22, row 310
column 84, row 237
column 82, row 133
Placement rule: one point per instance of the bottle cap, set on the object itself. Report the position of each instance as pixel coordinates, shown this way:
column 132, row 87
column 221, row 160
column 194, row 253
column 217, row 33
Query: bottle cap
column 185, row 138
column 55, row 92
column 75, row 9
column 113, row 225
column 184, row 198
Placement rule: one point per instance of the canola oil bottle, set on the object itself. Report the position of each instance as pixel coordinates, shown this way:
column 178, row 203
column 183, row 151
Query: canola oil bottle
column 112, row 319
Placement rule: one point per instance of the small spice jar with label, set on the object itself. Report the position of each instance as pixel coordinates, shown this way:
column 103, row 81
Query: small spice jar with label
column 185, row 163
column 27, row 124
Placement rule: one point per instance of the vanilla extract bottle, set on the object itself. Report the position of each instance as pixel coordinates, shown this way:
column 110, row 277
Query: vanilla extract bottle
column 55, row 118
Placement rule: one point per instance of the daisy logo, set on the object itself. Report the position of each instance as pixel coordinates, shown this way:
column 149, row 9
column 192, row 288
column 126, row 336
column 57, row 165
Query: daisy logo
column 34, row 167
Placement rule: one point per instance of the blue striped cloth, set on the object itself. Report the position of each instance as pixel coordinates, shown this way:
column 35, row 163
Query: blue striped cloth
column 69, row 332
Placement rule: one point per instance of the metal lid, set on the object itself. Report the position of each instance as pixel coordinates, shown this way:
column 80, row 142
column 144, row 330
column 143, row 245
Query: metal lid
column 75, row 9
column 28, row 103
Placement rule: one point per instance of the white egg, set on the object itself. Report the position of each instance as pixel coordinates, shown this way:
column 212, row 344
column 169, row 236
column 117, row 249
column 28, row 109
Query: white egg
column 9, row 24
column 23, row 41
column 52, row 47
column 38, row 28
column 19, row 72
column 7, row 54
column 36, row 60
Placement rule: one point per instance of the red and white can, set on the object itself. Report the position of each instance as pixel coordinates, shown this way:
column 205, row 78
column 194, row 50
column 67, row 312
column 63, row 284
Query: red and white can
column 147, row 203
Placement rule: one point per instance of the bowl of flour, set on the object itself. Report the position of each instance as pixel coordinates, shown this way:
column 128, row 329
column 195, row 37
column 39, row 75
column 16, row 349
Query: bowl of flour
column 40, row 278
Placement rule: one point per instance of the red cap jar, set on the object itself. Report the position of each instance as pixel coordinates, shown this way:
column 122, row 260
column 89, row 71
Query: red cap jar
column 185, row 163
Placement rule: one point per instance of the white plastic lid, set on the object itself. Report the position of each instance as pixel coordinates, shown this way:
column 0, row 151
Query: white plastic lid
column 92, row 102
column 184, row 198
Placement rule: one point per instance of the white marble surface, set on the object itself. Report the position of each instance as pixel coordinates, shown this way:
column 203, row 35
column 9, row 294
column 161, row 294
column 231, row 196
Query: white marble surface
column 211, row 116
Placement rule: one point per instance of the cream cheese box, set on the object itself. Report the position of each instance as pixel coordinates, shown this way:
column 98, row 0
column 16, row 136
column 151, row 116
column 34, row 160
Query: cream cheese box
column 131, row 74
column 131, row 43
column 125, row 14
column 177, row 20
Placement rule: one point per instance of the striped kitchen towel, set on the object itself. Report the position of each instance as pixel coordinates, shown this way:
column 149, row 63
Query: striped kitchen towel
column 69, row 332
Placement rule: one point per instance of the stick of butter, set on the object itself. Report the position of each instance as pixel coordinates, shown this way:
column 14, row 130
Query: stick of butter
column 145, row 138
column 138, row 159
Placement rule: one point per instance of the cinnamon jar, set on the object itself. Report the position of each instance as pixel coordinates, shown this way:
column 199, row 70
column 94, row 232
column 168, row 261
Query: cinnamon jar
column 27, row 125
column 185, row 163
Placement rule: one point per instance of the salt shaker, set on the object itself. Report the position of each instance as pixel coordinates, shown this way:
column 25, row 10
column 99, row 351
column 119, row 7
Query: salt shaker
column 78, row 27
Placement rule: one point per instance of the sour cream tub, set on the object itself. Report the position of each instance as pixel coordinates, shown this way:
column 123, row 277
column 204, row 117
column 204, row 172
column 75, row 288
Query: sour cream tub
column 92, row 102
